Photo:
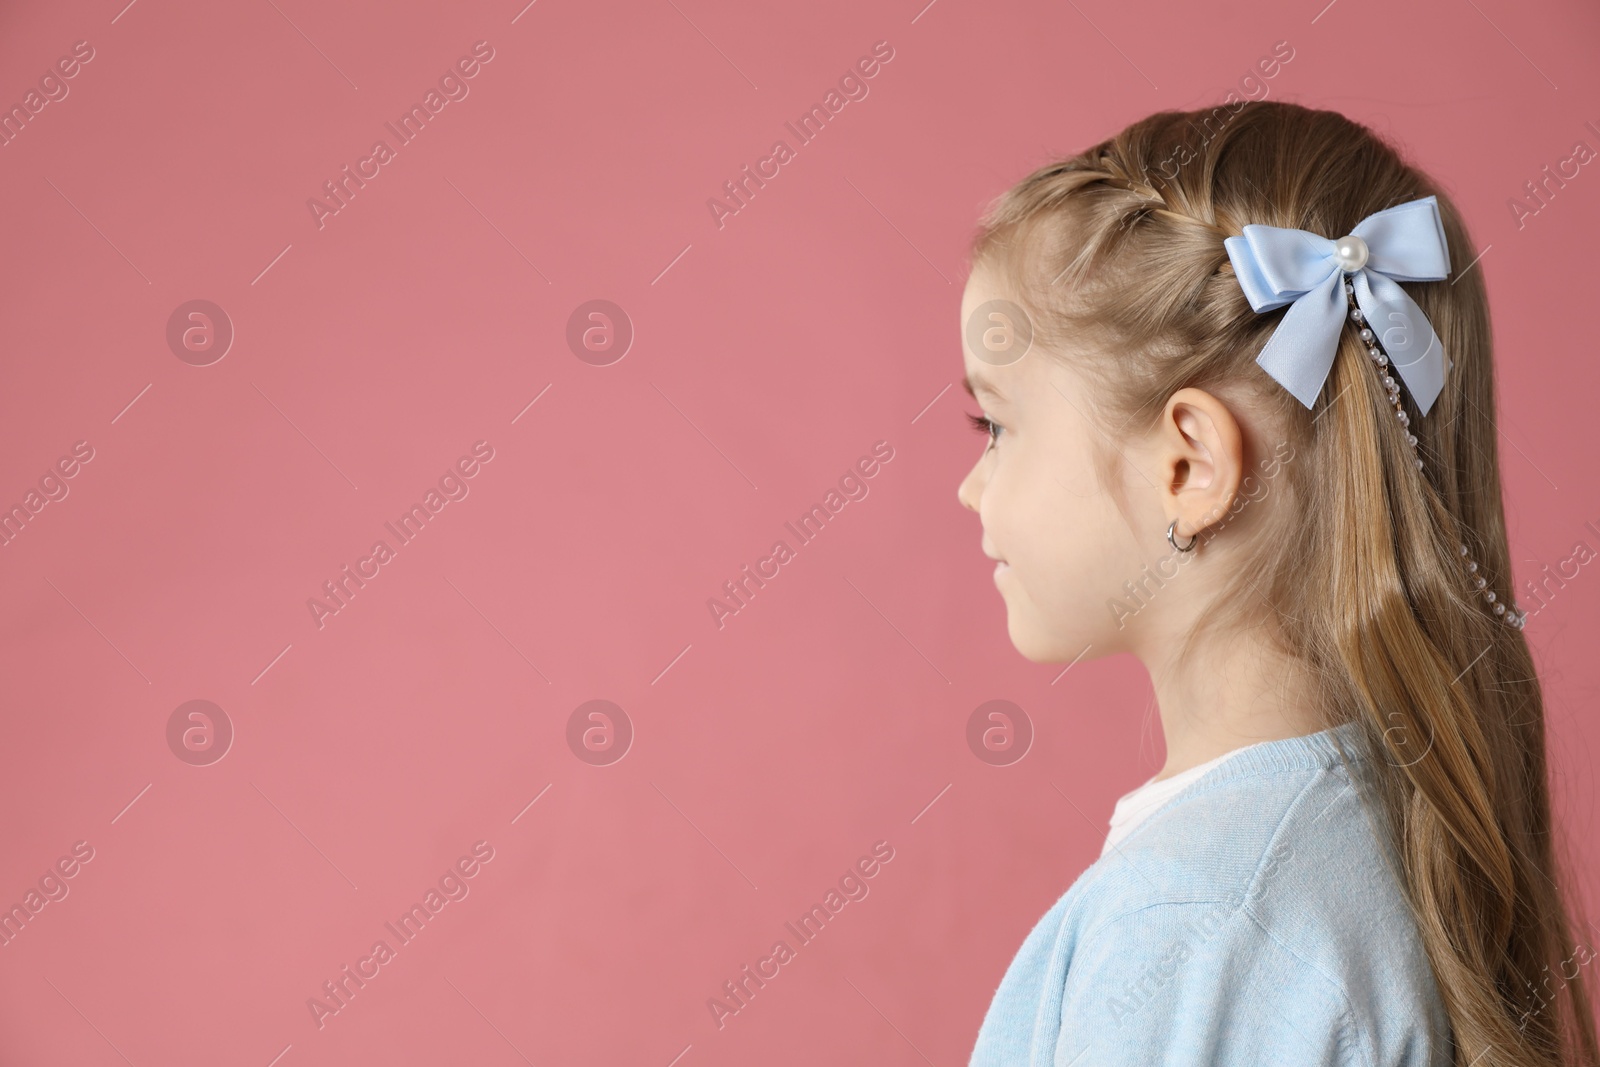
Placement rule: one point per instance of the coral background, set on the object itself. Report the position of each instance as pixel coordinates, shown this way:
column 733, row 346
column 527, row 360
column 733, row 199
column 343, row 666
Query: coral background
column 370, row 352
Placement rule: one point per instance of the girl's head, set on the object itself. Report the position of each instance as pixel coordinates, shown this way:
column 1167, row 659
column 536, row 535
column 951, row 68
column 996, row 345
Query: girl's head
column 1113, row 351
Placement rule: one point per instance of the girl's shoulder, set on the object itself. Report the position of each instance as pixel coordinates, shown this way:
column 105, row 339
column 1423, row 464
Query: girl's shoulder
column 1262, row 899
column 1256, row 918
column 1234, row 834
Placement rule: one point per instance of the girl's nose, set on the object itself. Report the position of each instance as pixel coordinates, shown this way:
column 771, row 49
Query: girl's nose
column 969, row 491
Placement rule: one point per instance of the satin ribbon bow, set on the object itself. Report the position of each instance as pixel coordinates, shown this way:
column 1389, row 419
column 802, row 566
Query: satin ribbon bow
column 1277, row 266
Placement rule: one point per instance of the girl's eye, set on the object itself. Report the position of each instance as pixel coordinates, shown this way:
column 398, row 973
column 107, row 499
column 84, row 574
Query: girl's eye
column 987, row 426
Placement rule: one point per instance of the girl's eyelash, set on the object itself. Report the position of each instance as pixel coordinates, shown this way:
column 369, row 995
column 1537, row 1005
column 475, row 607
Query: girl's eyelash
column 984, row 425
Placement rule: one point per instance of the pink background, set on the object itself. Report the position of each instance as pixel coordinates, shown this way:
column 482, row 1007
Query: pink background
column 768, row 755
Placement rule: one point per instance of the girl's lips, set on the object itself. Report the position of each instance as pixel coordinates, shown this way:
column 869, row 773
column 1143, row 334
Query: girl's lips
column 1001, row 567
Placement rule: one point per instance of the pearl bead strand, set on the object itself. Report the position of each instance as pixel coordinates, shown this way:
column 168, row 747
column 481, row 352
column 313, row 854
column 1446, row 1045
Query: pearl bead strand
column 1356, row 253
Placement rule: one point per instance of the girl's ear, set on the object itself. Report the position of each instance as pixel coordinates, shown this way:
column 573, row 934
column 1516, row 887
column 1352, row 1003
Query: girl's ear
column 1200, row 457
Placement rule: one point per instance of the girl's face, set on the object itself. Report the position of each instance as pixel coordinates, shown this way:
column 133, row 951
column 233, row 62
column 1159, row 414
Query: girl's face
column 1064, row 547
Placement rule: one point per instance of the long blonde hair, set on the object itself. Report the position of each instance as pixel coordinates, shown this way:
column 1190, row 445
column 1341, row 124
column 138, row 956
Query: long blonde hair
column 1121, row 246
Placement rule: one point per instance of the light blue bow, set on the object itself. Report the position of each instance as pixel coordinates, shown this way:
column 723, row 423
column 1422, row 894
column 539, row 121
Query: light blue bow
column 1277, row 266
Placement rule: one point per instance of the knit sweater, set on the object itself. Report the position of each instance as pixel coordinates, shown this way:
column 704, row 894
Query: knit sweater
column 1255, row 919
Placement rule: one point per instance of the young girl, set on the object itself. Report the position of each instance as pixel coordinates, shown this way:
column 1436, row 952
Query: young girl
column 1236, row 376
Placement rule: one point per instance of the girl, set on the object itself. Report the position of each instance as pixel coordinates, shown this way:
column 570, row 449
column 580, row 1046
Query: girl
column 1239, row 397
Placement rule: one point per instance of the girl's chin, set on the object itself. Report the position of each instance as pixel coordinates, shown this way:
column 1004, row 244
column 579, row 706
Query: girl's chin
column 1032, row 650
column 1042, row 642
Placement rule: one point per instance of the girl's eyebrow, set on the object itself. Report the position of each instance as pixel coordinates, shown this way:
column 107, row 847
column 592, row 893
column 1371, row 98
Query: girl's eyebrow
column 974, row 386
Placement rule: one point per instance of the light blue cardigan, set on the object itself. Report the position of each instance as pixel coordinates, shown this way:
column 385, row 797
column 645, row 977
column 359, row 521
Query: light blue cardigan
column 1254, row 919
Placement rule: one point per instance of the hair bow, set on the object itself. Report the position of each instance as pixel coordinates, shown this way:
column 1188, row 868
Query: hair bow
column 1277, row 266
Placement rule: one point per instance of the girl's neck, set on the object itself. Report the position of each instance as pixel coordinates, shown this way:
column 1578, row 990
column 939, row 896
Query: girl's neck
column 1228, row 694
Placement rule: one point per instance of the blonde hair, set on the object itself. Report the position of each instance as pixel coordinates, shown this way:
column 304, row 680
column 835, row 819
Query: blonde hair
column 1357, row 572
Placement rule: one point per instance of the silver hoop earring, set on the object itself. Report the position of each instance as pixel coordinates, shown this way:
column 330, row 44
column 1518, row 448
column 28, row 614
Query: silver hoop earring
column 1181, row 548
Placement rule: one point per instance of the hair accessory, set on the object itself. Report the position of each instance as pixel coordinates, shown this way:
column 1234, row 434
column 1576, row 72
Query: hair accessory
column 1505, row 609
column 1277, row 266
